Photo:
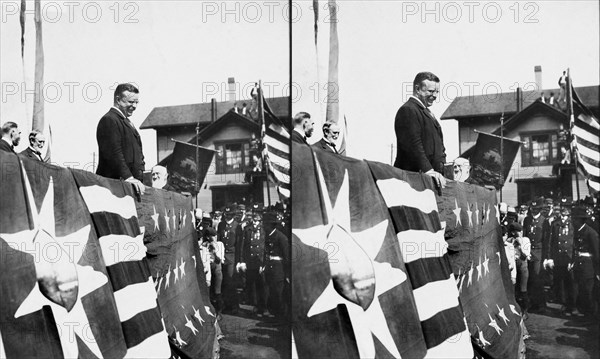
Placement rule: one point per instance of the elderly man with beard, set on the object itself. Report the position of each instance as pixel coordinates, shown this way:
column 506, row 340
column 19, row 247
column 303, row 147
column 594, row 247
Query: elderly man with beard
column 36, row 145
column 331, row 132
column 419, row 137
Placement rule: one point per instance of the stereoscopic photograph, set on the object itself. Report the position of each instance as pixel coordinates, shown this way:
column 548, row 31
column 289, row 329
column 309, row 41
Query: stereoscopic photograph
column 299, row 179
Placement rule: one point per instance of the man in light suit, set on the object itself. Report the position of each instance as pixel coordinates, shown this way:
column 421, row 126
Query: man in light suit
column 331, row 132
column 36, row 144
column 303, row 127
column 119, row 143
column 11, row 136
column 419, row 138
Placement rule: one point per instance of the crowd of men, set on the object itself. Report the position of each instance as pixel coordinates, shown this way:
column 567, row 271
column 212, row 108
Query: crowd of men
column 554, row 244
column 246, row 250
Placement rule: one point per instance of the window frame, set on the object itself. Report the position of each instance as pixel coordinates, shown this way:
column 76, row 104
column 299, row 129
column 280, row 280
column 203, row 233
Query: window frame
column 221, row 166
column 527, row 148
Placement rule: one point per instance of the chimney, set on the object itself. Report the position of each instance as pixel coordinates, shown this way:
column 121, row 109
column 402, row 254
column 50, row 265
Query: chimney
column 213, row 109
column 538, row 77
column 519, row 99
column 231, row 89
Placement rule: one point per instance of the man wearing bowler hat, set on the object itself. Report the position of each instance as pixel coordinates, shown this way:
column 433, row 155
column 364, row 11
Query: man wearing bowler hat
column 534, row 227
column 585, row 263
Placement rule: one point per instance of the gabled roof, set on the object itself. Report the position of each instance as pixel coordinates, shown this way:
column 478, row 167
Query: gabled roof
column 182, row 115
column 506, row 102
column 518, row 118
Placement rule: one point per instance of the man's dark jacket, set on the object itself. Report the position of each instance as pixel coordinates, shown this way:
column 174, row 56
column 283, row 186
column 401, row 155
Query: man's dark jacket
column 120, row 148
column 322, row 144
column 297, row 137
column 28, row 153
column 419, row 139
column 4, row 146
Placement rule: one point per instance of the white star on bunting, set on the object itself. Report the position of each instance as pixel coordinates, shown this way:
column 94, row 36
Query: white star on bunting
column 479, row 269
column 481, row 337
column 470, row 275
column 180, row 341
column 497, row 214
column 189, row 324
column 499, row 258
column 476, row 213
column 168, row 277
column 207, row 310
column 182, row 268
column 198, row 316
column 469, row 214
column 174, row 219
column 194, row 258
column 167, row 219
column 494, row 324
column 514, row 310
column 365, row 323
column 457, row 213
column 502, row 315
column 88, row 279
column 176, row 271
column 485, row 265
column 155, row 217
column 487, row 213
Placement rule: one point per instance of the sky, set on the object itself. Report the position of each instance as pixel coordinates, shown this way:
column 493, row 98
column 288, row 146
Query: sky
column 474, row 47
column 182, row 52
column 177, row 52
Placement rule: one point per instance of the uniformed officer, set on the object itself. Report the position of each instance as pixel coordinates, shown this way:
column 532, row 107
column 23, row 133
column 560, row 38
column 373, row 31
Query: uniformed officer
column 560, row 255
column 252, row 258
column 276, row 264
column 585, row 260
column 535, row 228
column 230, row 233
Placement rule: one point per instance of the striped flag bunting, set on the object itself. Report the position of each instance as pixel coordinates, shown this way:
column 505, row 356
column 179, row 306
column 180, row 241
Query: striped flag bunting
column 113, row 210
column 411, row 202
column 176, row 265
column 276, row 139
column 479, row 264
column 352, row 297
column 57, row 299
column 586, row 139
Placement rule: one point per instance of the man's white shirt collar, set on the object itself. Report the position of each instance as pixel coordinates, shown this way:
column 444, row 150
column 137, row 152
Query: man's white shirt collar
column 418, row 100
column 300, row 132
column 7, row 141
column 121, row 112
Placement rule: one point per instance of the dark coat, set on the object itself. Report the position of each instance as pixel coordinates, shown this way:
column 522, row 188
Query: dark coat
column 231, row 236
column 28, row 153
column 536, row 229
column 561, row 242
column 296, row 137
column 119, row 147
column 322, row 145
column 4, row 146
column 253, row 248
column 419, row 139
column 586, row 241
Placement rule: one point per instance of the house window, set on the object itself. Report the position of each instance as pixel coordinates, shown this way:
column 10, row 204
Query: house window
column 232, row 157
column 539, row 149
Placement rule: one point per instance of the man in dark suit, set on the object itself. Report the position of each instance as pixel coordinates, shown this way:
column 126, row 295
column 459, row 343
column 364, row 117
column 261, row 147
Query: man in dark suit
column 230, row 233
column 331, row 132
column 119, row 143
column 419, row 138
column 303, row 127
column 585, row 265
column 11, row 136
column 36, row 144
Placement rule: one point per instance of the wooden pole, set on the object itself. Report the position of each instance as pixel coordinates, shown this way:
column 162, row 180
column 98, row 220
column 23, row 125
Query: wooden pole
column 572, row 123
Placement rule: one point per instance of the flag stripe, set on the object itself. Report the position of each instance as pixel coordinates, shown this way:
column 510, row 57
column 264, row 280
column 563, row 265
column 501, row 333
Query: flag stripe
column 428, row 298
column 111, row 223
column 589, row 157
column 425, row 270
column 457, row 346
column 279, row 161
column 443, row 326
column 141, row 326
column 588, row 136
column 276, row 147
column 101, row 199
column 277, row 133
column 152, row 347
column 396, row 192
column 417, row 244
column 122, row 248
column 587, row 123
column 581, row 141
column 145, row 299
column 407, row 218
column 126, row 273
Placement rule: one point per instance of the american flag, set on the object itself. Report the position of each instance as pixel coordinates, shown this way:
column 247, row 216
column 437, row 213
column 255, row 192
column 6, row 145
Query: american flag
column 177, row 267
column 586, row 140
column 480, row 267
column 112, row 207
column 276, row 140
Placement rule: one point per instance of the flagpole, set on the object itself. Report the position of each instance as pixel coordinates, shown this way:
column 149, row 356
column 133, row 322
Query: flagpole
column 501, row 154
column 198, row 157
column 572, row 123
column 261, row 117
